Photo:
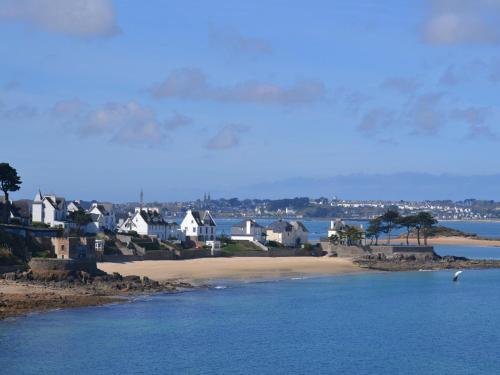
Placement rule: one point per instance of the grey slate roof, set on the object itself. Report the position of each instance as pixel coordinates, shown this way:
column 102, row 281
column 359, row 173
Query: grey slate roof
column 243, row 224
column 280, row 226
column 153, row 217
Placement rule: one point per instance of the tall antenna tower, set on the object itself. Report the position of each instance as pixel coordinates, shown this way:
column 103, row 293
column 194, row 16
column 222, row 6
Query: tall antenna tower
column 142, row 199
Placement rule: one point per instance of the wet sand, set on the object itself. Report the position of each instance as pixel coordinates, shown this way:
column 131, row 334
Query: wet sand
column 238, row 268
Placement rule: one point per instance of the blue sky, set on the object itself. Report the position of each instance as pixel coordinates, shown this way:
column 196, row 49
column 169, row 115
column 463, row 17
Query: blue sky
column 99, row 98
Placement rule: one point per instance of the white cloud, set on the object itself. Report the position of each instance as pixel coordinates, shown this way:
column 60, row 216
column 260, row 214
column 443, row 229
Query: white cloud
column 228, row 137
column 83, row 18
column 462, row 21
column 401, row 84
column 236, row 43
column 126, row 123
column 376, row 120
column 475, row 118
column 191, row 83
column 426, row 116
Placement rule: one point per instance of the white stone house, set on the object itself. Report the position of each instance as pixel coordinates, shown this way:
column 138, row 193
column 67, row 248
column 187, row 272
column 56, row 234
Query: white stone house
column 248, row 230
column 289, row 234
column 199, row 226
column 335, row 227
column 103, row 217
column 49, row 209
column 149, row 222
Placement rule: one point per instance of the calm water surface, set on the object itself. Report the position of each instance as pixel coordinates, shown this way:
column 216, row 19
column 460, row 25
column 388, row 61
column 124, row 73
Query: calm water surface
column 395, row 323
column 318, row 228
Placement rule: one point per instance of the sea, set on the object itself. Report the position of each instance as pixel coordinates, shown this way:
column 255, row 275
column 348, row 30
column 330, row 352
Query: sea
column 375, row 323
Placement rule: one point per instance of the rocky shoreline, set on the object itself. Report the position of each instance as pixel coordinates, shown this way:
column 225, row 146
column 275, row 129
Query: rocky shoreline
column 25, row 292
column 400, row 262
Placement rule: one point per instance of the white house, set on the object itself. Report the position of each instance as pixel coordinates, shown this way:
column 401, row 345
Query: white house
column 103, row 216
column 288, row 234
column 49, row 209
column 248, row 230
column 149, row 222
column 336, row 226
column 199, row 225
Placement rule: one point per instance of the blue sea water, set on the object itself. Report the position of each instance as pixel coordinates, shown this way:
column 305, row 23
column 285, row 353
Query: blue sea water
column 386, row 323
column 318, row 228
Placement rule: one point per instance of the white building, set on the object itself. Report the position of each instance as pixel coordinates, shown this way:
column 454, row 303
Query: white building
column 199, row 226
column 288, row 234
column 49, row 209
column 103, row 217
column 248, row 230
column 149, row 222
column 336, row 226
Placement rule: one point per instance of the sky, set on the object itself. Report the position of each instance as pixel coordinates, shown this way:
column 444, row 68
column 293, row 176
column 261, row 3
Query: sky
column 100, row 98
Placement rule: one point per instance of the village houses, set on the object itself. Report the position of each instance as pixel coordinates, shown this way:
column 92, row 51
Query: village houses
column 199, row 226
column 289, row 234
column 248, row 230
column 149, row 222
column 49, row 209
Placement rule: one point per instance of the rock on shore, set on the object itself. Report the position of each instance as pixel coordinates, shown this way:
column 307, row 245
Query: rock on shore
column 23, row 292
column 400, row 262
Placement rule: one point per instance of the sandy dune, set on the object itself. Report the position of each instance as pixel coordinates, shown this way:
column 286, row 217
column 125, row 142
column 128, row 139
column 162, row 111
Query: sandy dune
column 203, row 270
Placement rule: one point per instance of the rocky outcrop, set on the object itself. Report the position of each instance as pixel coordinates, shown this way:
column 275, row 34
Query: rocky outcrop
column 402, row 262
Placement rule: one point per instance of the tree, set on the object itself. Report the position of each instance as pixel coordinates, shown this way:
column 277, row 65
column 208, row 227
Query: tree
column 408, row 222
column 9, row 181
column 353, row 235
column 425, row 221
column 80, row 217
column 390, row 219
column 374, row 229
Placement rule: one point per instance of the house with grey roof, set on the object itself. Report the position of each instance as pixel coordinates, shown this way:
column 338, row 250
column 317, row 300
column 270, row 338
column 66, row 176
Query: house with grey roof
column 248, row 230
column 199, row 226
column 49, row 209
column 150, row 222
column 289, row 234
column 103, row 216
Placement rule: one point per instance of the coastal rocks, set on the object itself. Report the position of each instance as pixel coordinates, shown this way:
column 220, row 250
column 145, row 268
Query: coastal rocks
column 401, row 262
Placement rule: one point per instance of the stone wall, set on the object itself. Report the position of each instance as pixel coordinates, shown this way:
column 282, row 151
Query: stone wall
column 159, row 255
column 343, row 251
column 398, row 249
column 192, row 253
column 50, row 264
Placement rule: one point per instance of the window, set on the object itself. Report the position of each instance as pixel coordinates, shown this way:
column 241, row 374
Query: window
column 194, row 229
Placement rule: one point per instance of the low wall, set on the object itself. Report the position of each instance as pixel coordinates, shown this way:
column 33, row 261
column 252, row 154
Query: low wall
column 398, row 249
column 51, row 264
column 118, row 258
column 192, row 253
column 159, row 255
column 344, row 251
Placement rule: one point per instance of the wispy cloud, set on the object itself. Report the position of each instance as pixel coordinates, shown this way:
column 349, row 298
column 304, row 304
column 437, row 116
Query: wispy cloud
column 192, row 83
column 236, row 43
column 124, row 123
column 400, row 84
column 462, row 22
column 376, row 120
column 425, row 115
column 227, row 137
column 83, row 18
column 475, row 118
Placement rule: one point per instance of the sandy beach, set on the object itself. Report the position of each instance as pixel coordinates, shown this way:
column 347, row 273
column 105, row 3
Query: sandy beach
column 203, row 270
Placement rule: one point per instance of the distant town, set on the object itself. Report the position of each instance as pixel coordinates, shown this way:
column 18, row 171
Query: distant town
column 304, row 207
